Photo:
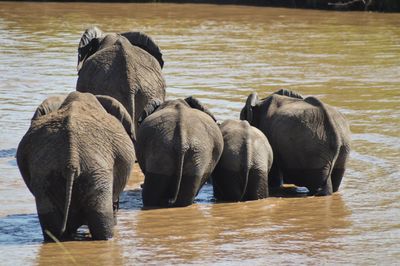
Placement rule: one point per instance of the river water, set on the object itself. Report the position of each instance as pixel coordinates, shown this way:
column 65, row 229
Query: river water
column 219, row 54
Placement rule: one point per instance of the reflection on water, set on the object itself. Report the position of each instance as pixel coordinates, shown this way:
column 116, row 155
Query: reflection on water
column 219, row 54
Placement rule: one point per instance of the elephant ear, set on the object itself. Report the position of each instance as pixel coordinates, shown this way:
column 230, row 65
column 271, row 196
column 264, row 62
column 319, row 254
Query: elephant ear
column 288, row 93
column 88, row 45
column 247, row 111
column 49, row 105
column 196, row 104
column 146, row 43
column 150, row 108
column 115, row 108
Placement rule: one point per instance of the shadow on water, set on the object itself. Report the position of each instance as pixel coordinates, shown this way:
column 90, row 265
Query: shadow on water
column 131, row 199
column 8, row 153
column 20, row 229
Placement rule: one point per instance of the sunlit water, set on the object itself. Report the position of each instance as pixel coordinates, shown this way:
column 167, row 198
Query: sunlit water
column 219, row 54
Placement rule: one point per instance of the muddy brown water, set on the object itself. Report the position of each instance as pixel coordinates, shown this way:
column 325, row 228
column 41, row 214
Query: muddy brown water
column 219, row 54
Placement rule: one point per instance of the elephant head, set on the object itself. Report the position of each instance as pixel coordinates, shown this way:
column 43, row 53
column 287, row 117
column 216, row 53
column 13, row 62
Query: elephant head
column 93, row 37
column 90, row 42
column 115, row 108
column 196, row 104
column 247, row 111
column 146, row 43
column 49, row 105
column 251, row 111
column 150, row 108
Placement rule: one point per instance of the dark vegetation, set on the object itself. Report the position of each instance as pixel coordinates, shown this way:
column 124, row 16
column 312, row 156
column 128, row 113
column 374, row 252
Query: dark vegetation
column 340, row 5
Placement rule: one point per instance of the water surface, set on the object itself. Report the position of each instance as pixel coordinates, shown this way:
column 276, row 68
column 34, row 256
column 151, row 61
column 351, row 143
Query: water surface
column 219, row 54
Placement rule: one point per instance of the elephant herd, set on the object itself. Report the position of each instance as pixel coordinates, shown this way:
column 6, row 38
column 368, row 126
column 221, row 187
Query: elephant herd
column 80, row 148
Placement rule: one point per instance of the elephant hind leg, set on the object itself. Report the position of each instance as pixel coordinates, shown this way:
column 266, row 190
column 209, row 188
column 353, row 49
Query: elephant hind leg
column 325, row 189
column 226, row 185
column 316, row 180
column 100, row 224
column 98, row 208
column 339, row 168
column 257, row 186
column 275, row 178
column 50, row 223
column 155, row 190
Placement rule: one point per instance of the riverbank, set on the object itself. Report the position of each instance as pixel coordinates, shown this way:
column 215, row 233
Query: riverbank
column 335, row 5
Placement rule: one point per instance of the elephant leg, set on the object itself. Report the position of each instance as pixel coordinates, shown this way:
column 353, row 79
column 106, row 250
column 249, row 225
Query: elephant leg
column 100, row 224
column 339, row 168
column 155, row 190
column 316, row 180
column 226, row 185
column 257, row 185
column 190, row 185
column 325, row 189
column 275, row 181
column 74, row 222
column 50, row 215
column 275, row 178
column 50, row 223
column 99, row 208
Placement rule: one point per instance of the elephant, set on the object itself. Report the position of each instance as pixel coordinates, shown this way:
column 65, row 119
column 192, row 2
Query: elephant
column 178, row 145
column 310, row 140
column 242, row 171
column 76, row 159
column 125, row 66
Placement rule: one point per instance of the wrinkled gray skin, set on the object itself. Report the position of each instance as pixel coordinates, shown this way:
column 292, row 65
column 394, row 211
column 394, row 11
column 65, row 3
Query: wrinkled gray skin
column 76, row 159
column 178, row 146
column 310, row 140
column 125, row 66
column 242, row 171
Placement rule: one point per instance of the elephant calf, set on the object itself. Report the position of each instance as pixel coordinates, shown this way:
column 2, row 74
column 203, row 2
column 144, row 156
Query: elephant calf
column 178, row 145
column 76, row 159
column 310, row 140
column 242, row 172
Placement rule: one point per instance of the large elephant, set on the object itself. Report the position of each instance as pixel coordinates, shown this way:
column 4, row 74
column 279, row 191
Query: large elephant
column 242, row 171
column 125, row 66
column 310, row 140
column 76, row 159
column 178, row 145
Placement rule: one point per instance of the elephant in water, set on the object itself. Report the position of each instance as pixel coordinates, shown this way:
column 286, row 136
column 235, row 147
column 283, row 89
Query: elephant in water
column 76, row 159
column 125, row 66
column 178, row 145
column 242, row 172
column 310, row 140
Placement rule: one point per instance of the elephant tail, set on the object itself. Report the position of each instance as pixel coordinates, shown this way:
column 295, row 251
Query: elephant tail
column 246, row 149
column 181, row 159
column 69, row 175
